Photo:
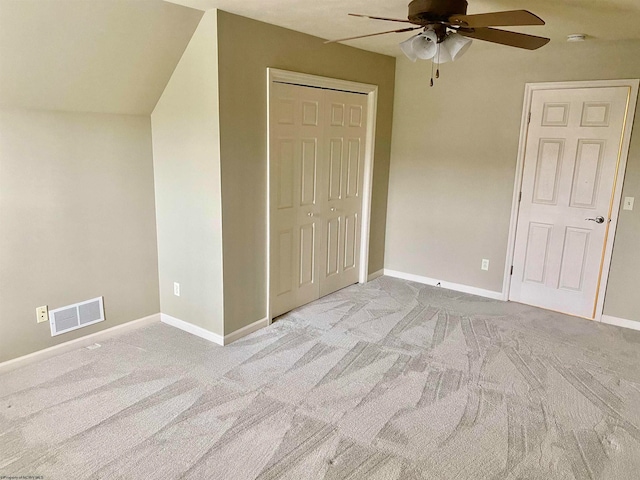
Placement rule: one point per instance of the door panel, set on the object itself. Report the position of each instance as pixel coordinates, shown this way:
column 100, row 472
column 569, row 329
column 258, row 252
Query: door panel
column 337, row 114
column 296, row 147
column 335, row 168
column 285, row 257
column 570, row 166
column 353, row 168
column 537, row 248
column 317, row 158
column 574, row 258
column 350, row 240
column 584, row 191
column 346, row 134
column 285, row 171
column 308, row 172
column 307, row 254
column 333, row 246
column 545, row 188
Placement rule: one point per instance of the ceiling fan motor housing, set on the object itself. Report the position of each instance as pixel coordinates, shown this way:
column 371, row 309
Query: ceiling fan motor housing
column 422, row 12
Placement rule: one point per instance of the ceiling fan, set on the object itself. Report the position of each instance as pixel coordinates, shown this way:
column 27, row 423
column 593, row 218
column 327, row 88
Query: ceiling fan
column 447, row 29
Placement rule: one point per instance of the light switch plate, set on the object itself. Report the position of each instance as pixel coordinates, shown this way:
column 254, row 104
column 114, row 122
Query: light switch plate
column 628, row 203
column 176, row 289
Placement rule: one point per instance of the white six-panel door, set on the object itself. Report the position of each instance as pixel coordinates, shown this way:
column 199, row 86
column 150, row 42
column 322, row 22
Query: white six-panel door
column 316, row 175
column 570, row 167
column 343, row 172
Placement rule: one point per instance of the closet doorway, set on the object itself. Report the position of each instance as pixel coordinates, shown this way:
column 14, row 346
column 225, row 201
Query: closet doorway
column 320, row 165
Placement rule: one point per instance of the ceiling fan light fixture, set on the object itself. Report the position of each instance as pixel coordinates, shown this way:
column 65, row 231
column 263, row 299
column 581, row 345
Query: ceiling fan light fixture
column 425, row 46
column 452, row 48
column 407, row 48
column 456, row 45
column 443, row 55
column 422, row 46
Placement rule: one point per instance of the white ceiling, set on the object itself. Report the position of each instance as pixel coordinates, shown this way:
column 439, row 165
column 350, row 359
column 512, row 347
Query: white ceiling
column 116, row 56
column 600, row 19
column 112, row 56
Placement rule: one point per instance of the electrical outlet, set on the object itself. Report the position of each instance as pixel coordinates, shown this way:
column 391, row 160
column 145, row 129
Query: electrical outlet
column 628, row 203
column 485, row 264
column 42, row 314
column 176, row 289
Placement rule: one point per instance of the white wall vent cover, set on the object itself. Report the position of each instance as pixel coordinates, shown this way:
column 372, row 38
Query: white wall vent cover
column 72, row 317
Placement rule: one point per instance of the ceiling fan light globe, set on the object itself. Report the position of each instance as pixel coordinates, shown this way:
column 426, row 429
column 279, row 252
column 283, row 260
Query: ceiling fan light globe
column 424, row 45
column 453, row 47
column 407, row 48
column 442, row 55
column 458, row 45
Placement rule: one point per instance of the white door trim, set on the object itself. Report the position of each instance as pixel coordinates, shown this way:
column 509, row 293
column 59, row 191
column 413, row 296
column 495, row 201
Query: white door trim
column 304, row 79
column 632, row 99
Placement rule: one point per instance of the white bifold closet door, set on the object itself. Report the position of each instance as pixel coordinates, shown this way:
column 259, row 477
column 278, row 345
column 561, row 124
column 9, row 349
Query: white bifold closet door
column 317, row 139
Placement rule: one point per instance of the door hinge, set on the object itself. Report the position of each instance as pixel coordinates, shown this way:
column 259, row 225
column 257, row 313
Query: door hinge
column 511, row 270
column 529, row 118
column 519, row 197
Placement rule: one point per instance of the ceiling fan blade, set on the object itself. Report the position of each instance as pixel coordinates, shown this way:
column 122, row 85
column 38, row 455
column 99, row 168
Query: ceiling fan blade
column 380, row 18
column 503, row 37
column 512, row 18
column 374, row 34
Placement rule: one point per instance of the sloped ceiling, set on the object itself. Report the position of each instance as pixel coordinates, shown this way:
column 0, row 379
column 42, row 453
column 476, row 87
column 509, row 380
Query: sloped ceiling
column 603, row 20
column 110, row 56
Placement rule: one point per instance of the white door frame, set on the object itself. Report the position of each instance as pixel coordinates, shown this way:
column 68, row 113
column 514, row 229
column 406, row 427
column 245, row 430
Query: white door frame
column 623, row 154
column 306, row 80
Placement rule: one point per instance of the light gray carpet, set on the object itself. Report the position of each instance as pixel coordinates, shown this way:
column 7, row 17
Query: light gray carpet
column 392, row 380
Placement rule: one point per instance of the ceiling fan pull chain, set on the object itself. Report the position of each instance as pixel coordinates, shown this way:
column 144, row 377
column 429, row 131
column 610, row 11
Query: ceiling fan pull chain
column 431, row 84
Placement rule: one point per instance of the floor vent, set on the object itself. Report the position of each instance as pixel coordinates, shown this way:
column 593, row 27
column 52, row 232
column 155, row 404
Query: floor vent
column 72, row 317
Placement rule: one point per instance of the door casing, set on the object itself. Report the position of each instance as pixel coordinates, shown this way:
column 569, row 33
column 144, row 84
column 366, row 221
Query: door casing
column 306, row 80
column 632, row 98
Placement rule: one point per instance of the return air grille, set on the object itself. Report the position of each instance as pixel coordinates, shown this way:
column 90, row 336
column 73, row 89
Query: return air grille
column 72, row 317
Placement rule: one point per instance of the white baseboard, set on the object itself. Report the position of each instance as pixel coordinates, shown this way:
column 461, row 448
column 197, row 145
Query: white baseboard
column 78, row 343
column 375, row 275
column 210, row 336
column 620, row 322
column 244, row 331
column 448, row 285
column 192, row 329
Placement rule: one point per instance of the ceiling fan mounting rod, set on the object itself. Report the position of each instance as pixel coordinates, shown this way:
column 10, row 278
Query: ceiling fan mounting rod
column 440, row 30
column 423, row 12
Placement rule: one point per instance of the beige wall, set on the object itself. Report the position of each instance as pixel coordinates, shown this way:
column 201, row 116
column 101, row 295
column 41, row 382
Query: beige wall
column 454, row 156
column 247, row 48
column 622, row 299
column 187, row 184
column 76, row 221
